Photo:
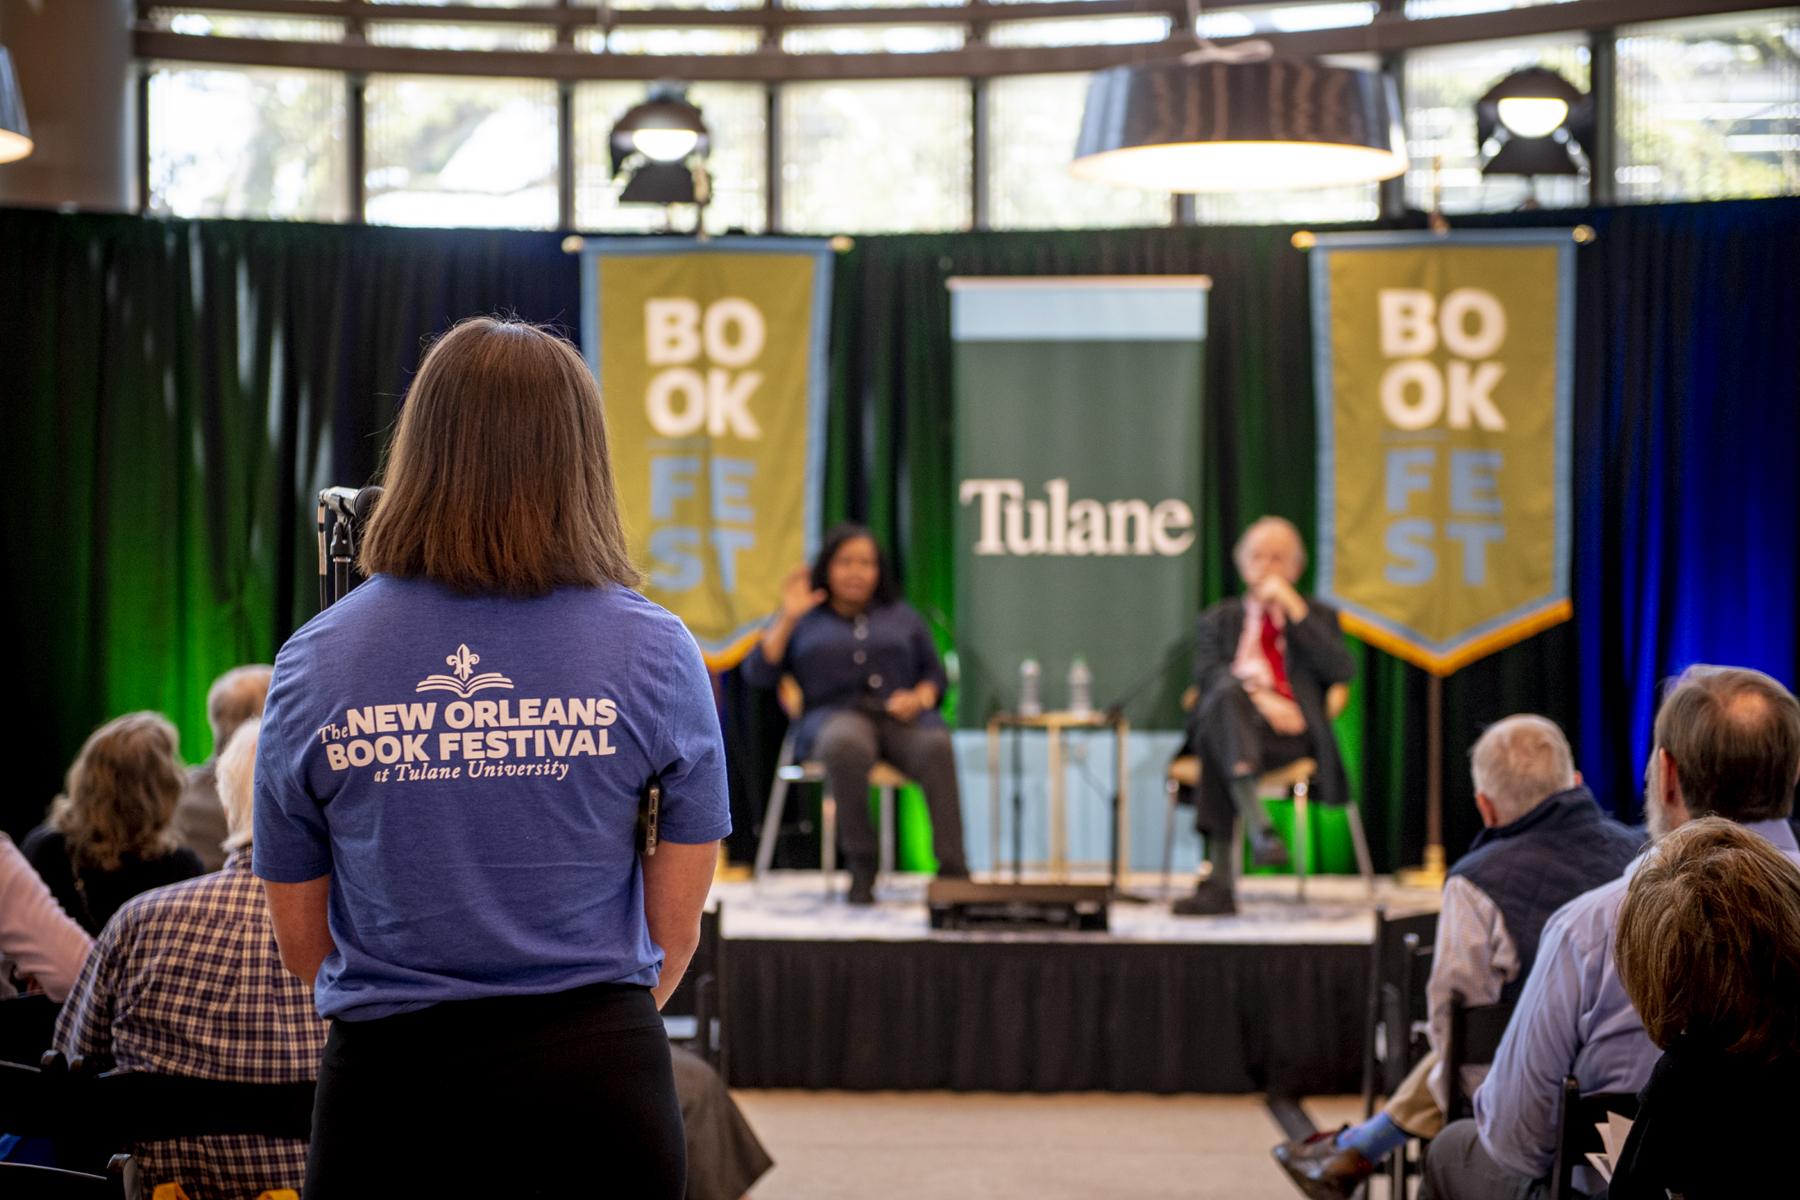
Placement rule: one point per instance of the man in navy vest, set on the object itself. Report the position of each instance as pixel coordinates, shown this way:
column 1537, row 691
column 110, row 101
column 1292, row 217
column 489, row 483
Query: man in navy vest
column 1545, row 842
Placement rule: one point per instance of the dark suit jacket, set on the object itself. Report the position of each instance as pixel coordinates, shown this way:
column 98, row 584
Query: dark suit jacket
column 1316, row 659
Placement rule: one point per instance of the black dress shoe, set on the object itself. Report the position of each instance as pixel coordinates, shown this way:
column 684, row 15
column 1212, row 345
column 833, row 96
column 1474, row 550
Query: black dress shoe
column 862, row 890
column 1320, row 1169
column 1268, row 850
column 1208, row 900
column 952, row 871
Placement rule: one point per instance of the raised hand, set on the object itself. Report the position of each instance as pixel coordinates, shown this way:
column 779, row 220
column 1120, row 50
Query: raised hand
column 798, row 596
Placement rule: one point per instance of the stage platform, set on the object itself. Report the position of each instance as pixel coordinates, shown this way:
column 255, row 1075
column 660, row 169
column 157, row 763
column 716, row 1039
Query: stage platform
column 821, row 995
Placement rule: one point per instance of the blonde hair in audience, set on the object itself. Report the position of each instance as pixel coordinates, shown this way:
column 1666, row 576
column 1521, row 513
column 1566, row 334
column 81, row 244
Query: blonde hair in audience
column 234, row 698
column 121, row 791
column 1708, row 944
column 1519, row 762
column 237, row 763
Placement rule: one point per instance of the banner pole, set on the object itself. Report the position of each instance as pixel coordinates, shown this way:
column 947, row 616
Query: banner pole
column 1431, row 874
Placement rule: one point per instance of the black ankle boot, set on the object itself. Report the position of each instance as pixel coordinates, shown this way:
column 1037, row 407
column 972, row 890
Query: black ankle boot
column 1209, row 900
column 862, row 886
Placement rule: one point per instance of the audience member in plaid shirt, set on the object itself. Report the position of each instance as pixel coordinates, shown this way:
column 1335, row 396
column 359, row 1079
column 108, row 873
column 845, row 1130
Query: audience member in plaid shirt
column 187, row 980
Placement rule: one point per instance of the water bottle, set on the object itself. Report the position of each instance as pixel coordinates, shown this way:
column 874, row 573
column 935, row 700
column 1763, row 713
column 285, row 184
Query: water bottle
column 1031, row 704
column 1081, row 688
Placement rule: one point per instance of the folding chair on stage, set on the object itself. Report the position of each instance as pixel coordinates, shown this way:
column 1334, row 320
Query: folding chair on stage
column 885, row 778
column 1294, row 780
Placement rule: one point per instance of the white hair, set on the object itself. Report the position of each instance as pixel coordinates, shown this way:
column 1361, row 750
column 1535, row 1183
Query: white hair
column 1520, row 762
column 1262, row 524
column 235, row 773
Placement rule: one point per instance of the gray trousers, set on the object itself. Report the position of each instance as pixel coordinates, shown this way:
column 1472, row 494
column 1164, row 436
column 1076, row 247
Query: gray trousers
column 850, row 742
column 1458, row 1167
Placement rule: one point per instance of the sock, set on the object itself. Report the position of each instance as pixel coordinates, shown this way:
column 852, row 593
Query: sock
column 1249, row 805
column 1374, row 1139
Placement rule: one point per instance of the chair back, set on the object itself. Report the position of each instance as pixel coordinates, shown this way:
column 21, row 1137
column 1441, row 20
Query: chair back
column 1474, row 1040
column 1403, row 1009
column 90, row 1116
column 695, row 1013
column 1388, row 955
column 27, row 1027
column 22, row 1181
column 1580, row 1135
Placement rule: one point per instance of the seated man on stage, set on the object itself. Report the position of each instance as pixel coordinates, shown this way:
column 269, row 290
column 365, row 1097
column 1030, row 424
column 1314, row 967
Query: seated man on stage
column 1544, row 842
column 1262, row 665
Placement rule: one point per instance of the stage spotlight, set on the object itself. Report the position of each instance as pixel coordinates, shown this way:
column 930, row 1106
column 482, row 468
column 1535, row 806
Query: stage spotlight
column 661, row 147
column 1534, row 122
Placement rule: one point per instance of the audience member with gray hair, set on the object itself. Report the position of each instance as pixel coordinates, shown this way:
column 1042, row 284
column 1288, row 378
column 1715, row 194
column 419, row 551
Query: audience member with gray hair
column 235, row 697
column 1544, row 842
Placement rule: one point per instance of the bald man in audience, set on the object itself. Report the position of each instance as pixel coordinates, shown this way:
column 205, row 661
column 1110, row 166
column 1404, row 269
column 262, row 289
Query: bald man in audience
column 234, row 698
column 1727, row 744
column 1544, row 841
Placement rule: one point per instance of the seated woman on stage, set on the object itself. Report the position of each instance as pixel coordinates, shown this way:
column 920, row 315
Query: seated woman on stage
column 872, row 680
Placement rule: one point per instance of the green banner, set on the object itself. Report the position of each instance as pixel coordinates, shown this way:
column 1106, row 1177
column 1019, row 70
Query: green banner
column 1078, row 488
column 711, row 357
column 1444, row 374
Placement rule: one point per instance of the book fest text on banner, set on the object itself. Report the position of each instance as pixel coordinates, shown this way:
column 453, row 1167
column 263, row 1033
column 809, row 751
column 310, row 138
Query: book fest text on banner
column 712, row 368
column 1443, row 377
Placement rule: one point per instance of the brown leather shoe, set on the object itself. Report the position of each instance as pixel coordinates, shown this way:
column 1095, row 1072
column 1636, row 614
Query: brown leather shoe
column 1321, row 1170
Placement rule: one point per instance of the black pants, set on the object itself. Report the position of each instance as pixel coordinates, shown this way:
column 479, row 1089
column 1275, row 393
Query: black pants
column 850, row 741
column 568, row 1094
column 1230, row 733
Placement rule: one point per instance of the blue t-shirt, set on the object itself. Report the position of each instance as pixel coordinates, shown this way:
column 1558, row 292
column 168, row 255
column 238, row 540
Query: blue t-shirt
column 468, row 770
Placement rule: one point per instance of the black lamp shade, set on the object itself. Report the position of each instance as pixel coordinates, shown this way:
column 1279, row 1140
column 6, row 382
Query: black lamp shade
column 660, row 183
column 15, row 134
column 1246, row 126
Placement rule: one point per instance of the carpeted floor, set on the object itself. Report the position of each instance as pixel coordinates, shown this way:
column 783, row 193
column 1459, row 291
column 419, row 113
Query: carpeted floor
column 940, row 1146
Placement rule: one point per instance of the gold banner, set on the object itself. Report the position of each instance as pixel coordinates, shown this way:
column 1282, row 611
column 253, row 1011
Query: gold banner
column 711, row 363
column 1443, row 377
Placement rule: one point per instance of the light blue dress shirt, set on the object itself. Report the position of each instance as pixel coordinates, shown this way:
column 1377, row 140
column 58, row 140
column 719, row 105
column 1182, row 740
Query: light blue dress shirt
column 1573, row 1019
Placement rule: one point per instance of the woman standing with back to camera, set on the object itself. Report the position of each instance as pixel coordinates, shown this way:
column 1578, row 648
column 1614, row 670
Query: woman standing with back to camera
column 447, row 802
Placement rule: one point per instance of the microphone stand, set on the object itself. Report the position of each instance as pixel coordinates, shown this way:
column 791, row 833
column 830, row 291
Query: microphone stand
column 1112, row 713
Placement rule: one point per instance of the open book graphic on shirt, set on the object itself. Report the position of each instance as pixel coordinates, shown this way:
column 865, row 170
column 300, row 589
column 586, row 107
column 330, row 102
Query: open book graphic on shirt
column 464, row 682
column 444, row 683
column 1612, row 1138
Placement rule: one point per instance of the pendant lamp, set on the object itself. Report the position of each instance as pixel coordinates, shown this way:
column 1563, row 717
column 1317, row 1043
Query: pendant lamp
column 15, row 134
column 1217, row 121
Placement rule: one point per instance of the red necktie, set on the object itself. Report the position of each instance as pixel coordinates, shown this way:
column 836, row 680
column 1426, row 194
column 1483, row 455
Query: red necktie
column 1271, row 648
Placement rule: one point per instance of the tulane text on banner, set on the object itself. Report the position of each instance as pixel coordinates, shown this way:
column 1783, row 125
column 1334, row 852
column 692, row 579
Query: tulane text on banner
column 1443, row 373
column 1078, row 487
column 711, row 360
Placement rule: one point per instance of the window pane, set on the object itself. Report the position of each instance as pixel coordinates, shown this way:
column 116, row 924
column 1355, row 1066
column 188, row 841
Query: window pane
column 709, row 5
column 250, row 142
column 872, row 39
column 1710, row 110
column 827, row 4
column 1442, row 85
column 1083, row 31
column 475, row 3
column 1032, row 124
column 736, row 116
column 875, row 156
column 1426, row 9
column 485, row 36
column 211, row 24
column 1285, row 18
column 642, row 40
column 1333, row 205
column 478, row 152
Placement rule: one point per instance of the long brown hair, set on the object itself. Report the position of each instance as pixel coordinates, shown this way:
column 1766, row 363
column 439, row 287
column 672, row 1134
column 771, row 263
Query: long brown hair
column 499, row 478
column 121, row 792
column 1708, row 944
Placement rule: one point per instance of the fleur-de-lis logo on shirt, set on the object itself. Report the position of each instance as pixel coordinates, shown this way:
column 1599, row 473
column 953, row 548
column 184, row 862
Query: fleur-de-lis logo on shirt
column 463, row 662
column 466, row 683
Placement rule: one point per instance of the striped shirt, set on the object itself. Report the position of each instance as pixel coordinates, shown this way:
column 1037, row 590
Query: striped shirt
column 187, row 980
